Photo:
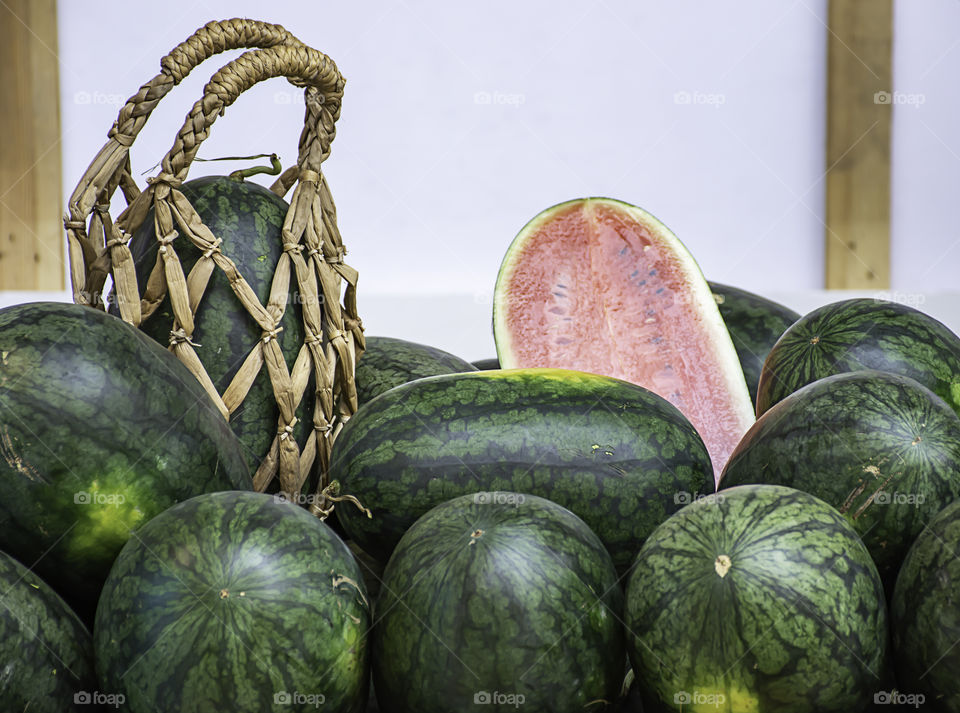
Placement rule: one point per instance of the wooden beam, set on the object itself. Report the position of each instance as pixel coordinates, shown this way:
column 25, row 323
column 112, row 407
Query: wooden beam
column 859, row 109
column 31, row 203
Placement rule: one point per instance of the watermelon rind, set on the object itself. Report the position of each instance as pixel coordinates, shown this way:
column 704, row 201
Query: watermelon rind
column 235, row 601
column 387, row 362
column 857, row 334
column 755, row 324
column 502, row 603
column 101, row 429
column 45, row 650
column 619, row 456
column 925, row 613
column 757, row 599
column 879, row 447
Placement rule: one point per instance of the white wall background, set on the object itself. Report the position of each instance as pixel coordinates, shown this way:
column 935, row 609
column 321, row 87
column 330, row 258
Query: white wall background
column 462, row 121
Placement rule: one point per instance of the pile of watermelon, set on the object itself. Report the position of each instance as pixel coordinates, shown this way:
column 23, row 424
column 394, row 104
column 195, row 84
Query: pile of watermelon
column 664, row 494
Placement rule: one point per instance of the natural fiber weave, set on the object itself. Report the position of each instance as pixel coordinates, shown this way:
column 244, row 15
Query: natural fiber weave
column 312, row 247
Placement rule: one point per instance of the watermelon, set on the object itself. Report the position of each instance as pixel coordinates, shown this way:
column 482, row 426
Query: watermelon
column 389, row 362
column 46, row 652
column 249, row 219
column 617, row 455
column 508, row 601
column 862, row 334
column 602, row 286
column 100, row 430
column 234, row 601
column 758, row 598
column 925, row 614
column 879, row 447
column 755, row 324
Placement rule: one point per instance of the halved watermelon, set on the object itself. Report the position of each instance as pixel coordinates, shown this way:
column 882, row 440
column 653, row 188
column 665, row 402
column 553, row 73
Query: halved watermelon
column 602, row 286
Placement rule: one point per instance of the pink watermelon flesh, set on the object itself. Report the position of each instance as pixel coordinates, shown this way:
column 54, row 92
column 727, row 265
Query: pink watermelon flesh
column 601, row 286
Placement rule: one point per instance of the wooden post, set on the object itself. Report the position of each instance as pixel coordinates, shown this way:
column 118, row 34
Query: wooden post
column 859, row 109
column 31, row 204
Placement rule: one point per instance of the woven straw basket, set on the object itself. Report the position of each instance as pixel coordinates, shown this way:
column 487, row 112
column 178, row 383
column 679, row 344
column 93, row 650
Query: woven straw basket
column 312, row 248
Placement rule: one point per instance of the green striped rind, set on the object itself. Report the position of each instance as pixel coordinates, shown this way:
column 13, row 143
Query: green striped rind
column 228, row 601
column 863, row 334
column 796, row 623
column 45, row 650
column 879, row 447
column 926, row 615
column 614, row 453
column 755, row 324
column 387, row 362
column 505, row 593
column 100, row 430
column 248, row 218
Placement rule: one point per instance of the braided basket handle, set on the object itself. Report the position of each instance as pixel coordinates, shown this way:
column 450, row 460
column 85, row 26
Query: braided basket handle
column 323, row 84
column 110, row 168
column 302, row 66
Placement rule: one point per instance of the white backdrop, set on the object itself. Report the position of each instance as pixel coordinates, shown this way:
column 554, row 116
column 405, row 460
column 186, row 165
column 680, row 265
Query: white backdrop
column 460, row 122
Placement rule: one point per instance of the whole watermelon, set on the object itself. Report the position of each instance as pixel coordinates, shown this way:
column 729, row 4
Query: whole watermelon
column 879, row 447
column 614, row 453
column 757, row 599
column 508, row 602
column 755, row 324
column 926, row 617
column 46, row 656
column 862, row 334
column 100, row 429
column 387, row 362
column 235, row 602
column 249, row 219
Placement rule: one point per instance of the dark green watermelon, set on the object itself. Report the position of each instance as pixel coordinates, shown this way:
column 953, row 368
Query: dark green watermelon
column 46, row 656
column 509, row 603
column 389, row 362
column 755, row 324
column 879, row 447
column 487, row 364
column 234, row 601
column 862, row 334
column 100, row 430
column 248, row 218
column 756, row 599
column 614, row 453
column 926, row 616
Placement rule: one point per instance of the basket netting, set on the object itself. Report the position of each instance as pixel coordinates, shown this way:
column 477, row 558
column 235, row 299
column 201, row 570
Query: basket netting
column 312, row 254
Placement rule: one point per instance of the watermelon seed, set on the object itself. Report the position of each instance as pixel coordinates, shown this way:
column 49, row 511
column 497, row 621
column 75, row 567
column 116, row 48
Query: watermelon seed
column 722, row 565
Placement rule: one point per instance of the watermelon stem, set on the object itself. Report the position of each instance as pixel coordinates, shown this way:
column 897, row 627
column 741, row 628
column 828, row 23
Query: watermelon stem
column 330, row 495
